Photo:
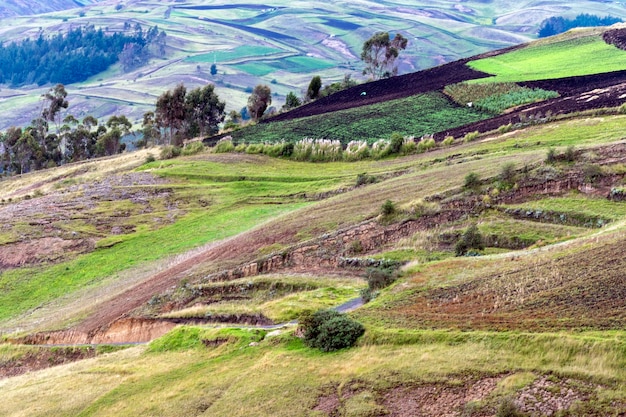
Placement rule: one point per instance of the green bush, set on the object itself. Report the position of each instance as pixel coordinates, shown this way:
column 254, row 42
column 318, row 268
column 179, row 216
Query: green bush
column 150, row 158
column 507, row 408
column 551, row 156
column 507, row 175
column 471, row 239
column 448, row 141
column 426, row 144
column 570, row 154
column 379, row 278
column 224, row 146
column 395, row 142
column 408, row 146
column 254, row 148
column 364, row 178
column 241, row 148
column 472, row 181
column 329, row 330
column 505, row 128
column 388, row 208
column 193, row 148
column 169, row 152
column 471, row 136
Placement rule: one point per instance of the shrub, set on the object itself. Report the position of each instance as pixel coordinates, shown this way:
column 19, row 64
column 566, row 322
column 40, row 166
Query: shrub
column 420, row 207
column 570, row 154
column 169, row 152
column 150, row 158
column 355, row 247
column 507, row 408
column 317, row 150
column 388, row 208
column 254, row 148
column 472, row 181
column 471, row 136
column 551, row 156
column 395, row 142
column 274, row 149
column 329, row 330
column 241, row 147
column 224, row 145
column 379, row 278
column 448, row 141
column 592, row 172
column 193, row 148
column 470, row 239
column 426, row 144
column 507, row 174
column 380, row 149
column 505, row 128
column 408, row 146
column 356, row 150
column 364, row 178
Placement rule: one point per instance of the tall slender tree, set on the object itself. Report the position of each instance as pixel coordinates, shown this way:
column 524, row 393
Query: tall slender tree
column 380, row 54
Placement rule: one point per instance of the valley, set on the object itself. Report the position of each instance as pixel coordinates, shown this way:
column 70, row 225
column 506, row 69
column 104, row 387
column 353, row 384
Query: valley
column 471, row 217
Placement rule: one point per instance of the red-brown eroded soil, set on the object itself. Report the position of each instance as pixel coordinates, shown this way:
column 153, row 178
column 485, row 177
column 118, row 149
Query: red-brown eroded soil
column 44, row 358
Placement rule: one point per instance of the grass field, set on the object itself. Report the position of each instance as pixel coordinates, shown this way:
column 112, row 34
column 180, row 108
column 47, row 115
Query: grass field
column 568, row 58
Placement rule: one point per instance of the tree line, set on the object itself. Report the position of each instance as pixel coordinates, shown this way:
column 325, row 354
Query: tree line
column 77, row 55
column 557, row 24
column 54, row 138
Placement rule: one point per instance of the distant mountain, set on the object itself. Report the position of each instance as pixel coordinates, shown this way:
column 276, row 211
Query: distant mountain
column 30, row 7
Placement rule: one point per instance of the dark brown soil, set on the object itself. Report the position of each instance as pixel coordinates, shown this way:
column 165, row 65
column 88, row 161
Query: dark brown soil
column 44, row 358
column 432, row 79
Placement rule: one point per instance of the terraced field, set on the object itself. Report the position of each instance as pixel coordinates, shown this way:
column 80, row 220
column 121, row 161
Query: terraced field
column 277, row 43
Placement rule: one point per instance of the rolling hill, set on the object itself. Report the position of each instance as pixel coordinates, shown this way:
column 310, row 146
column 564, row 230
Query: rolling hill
column 281, row 44
column 168, row 286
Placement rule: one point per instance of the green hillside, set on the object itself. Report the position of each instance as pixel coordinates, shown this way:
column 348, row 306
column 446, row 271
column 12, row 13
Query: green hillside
column 486, row 268
column 277, row 43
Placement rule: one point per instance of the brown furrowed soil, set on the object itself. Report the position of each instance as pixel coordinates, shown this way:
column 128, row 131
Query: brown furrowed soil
column 432, row 79
column 582, row 287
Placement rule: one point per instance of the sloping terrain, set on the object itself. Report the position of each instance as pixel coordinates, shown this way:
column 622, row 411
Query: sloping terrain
column 277, row 43
column 199, row 264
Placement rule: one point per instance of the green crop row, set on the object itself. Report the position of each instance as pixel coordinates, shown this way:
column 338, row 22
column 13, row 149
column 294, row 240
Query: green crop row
column 427, row 114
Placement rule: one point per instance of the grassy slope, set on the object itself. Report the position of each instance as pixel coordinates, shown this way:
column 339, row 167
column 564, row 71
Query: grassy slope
column 278, row 181
column 573, row 56
column 281, row 377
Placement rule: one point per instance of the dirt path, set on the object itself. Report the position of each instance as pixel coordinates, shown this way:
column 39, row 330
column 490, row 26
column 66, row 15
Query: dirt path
column 241, row 246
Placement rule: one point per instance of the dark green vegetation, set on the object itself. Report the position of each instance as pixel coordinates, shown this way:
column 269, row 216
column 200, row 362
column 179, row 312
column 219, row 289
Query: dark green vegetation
column 329, row 330
column 495, row 97
column 557, row 24
column 430, row 113
column 75, row 56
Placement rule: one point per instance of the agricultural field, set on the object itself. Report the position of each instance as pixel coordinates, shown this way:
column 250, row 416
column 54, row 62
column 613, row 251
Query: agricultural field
column 276, row 42
column 577, row 56
column 430, row 113
column 484, row 270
